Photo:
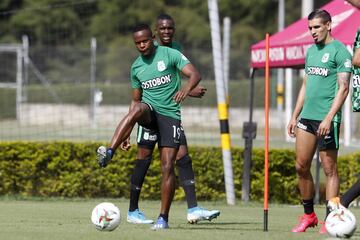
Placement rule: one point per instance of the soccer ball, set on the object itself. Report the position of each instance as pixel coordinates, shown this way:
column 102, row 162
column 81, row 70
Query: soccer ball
column 341, row 223
column 105, row 216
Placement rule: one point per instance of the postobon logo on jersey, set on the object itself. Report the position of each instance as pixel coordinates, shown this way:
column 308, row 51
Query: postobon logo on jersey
column 156, row 82
column 317, row 71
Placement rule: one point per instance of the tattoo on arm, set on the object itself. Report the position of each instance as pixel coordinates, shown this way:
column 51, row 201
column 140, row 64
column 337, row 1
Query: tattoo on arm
column 344, row 79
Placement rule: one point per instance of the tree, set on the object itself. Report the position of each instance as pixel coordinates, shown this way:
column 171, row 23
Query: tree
column 46, row 22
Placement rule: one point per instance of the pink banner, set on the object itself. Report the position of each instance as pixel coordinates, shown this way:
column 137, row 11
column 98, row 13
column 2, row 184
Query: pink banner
column 288, row 47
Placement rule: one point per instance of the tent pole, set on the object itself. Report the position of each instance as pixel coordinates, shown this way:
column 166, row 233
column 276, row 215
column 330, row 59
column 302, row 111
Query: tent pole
column 249, row 133
column 288, row 99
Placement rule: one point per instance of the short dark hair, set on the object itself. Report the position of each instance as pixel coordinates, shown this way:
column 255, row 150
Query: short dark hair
column 141, row 26
column 320, row 13
column 164, row 16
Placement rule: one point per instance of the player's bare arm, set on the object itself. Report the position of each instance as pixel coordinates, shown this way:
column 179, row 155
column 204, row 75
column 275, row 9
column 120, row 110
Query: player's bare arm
column 343, row 82
column 356, row 58
column 194, row 78
column 299, row 104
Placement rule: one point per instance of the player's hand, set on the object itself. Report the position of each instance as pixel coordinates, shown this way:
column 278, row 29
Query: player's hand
column 324, row 128
column 125, row 145
column 198, row 92
column 181, row 95
column 291, row 128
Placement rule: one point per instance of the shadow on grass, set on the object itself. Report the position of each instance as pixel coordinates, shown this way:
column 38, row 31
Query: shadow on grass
column 220, row 226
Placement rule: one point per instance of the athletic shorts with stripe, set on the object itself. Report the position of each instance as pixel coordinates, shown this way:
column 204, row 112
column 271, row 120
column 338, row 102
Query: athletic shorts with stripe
column 330, row 141
column 164, row 130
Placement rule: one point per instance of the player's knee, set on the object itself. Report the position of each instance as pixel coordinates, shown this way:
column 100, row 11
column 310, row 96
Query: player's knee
column 330, row 171
column 183, row 152
column 136, row 111
column 167, row 167
column 185, row 160
column 301, row 169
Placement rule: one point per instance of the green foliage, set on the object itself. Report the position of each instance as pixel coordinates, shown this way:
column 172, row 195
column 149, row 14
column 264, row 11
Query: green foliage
column 44, row 26
column 117, row 67
column 66, row 22
column 348, row 170
column 65, row 169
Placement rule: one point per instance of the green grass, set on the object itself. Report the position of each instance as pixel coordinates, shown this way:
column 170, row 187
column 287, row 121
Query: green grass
column 56, row 219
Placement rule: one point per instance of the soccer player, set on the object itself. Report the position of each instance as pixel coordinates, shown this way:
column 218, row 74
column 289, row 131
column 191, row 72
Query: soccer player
column 155, row 104
column 318, row 107
column 147, row 139
column 354, row 191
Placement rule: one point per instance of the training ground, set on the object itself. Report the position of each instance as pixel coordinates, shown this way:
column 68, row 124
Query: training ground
column 59, row 219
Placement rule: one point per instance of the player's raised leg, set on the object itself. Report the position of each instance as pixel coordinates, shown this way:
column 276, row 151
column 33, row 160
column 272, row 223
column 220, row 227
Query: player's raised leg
column 139, row 113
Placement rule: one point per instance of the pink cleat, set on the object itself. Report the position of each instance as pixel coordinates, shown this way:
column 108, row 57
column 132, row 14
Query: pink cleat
column 306, row 221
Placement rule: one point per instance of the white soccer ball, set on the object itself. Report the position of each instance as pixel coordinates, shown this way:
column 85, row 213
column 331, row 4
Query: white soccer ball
column 341, row 223
column 105, row 216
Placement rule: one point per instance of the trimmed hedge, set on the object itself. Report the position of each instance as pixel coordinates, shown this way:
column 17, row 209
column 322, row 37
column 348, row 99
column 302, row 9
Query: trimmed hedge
column 66, row 169
column 349, row 169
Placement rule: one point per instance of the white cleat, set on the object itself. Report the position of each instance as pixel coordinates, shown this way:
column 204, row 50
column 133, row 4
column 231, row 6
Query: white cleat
column 137, row 217
column 197, row 214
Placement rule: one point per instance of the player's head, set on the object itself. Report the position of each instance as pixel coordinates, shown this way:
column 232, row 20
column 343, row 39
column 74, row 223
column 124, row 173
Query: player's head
column 143, row 39
column 319, row 22
column 165, row 29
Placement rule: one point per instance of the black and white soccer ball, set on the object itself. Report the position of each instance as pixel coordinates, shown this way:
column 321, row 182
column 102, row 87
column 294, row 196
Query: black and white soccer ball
column 341, row 223
column 105, row 216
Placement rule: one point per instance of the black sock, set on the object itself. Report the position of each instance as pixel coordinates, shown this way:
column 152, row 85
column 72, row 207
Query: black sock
column 165, row 217
column 351, row 194
column 327, row 210
column 308, row 206
column 137, row 180
column 187, row 179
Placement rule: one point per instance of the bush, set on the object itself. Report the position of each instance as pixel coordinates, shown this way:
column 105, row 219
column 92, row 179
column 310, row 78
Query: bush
column 65, row 169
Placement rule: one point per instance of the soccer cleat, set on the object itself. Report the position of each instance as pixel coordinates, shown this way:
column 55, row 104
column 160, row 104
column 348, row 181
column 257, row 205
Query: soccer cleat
column 197, row 214
column 138, row 217
column 104, row 156
column 305, row 221
column 322, row 228
column 160, row 224
column 334, row 204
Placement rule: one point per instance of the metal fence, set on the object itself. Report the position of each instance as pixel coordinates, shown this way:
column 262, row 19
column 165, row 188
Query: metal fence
column 78, row 92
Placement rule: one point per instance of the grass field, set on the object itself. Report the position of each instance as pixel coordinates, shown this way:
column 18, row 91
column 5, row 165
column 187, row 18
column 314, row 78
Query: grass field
column 54, row 219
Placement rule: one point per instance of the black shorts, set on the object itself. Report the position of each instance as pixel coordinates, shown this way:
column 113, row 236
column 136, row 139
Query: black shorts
column 148, row 137
column 164, row 130
column 330, row 141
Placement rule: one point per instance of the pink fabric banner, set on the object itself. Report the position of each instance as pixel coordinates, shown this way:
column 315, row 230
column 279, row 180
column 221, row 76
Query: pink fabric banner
column 288, row 47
